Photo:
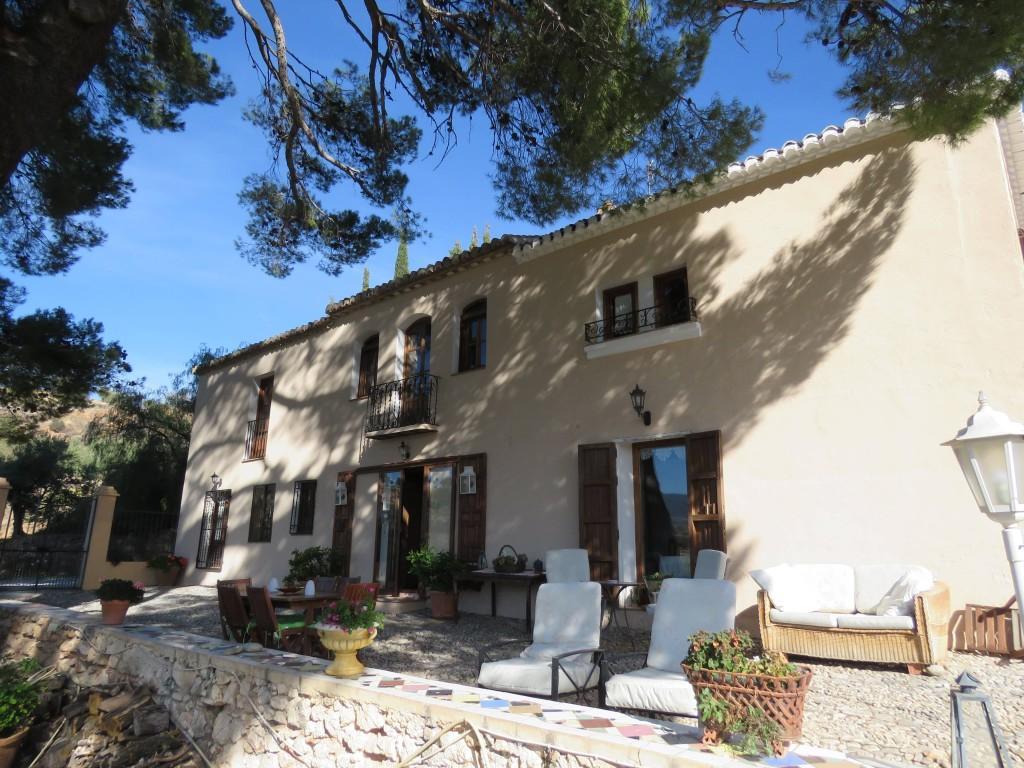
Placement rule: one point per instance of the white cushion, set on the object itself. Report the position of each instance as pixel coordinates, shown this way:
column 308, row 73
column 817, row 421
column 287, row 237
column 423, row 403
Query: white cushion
column 872, row 582
column 650, row 689
column 566, row 565
column 711, row 564
column 805, row 588
column 550, row 650
column 868, row 621
column 819, row 619
column 533, row 676
column 899, row 600
column 569, row 615
column 684, row 607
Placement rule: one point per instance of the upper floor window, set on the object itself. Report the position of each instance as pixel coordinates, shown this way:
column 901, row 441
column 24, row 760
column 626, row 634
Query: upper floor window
column 473, row 336
column 261, row 517
column 368, row 365
column 620, row 307
column 258, row 429
column 672, row 298
column 303, row 507
column 417, row 348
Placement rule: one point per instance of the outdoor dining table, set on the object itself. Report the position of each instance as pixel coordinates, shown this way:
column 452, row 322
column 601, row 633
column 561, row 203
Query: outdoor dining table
column 530, row 578
column 299, row 602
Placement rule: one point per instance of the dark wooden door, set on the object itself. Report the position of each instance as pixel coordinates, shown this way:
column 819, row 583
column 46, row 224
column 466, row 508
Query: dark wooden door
column 598, row 510
column 266, row 394
column 704, row 479
column 471, row 528
column 341, row 538
column 620, row 307
column 671, row 297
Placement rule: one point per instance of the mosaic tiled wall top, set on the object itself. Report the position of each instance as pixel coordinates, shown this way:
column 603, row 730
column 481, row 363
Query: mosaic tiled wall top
column 600, row 725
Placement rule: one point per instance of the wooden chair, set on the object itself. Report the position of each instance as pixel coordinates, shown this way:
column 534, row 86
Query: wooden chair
column 327, row 585
column 357, row 593
column 234, row 582
column 274, row 630
column 234, row 620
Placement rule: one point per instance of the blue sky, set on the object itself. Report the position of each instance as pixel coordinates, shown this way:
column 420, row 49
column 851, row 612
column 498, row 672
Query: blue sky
column 169, row 279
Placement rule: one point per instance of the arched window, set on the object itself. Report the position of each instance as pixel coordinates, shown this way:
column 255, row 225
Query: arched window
column 473, row 336
column 417, row 348
column 368, row 365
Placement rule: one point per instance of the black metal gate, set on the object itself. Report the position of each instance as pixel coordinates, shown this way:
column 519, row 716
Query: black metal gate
column 51, row 553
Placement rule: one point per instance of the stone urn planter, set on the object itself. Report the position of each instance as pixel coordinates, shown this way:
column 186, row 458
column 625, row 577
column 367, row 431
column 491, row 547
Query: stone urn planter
column 114, row 611
column 344, row 643
column 9, row 747
column 444, row 605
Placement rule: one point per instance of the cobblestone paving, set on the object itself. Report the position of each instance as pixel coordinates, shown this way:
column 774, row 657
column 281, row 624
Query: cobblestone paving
column 863, row 710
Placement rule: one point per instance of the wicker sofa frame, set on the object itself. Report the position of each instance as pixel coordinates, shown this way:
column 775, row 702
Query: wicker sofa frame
column 926, row 644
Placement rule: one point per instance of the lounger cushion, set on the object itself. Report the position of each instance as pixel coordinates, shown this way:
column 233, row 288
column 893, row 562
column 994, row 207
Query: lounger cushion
column 569, row 614
column 686, row 606
column 651, row 689
column 873, row 581
column 819, row 619
column 566, row 566
column 533, row 676
column 870, row 621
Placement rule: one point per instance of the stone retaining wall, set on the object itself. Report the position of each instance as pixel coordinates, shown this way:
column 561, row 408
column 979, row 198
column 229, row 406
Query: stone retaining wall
column 255, row 715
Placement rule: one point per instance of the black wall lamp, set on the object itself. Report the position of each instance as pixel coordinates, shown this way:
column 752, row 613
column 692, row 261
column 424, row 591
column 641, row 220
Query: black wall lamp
column 638, row 396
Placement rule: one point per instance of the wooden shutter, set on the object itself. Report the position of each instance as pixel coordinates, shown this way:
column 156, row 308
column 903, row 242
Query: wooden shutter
column 704, row 476
column 368, row 366
column 598, row 510
column 341, row 538
column 471, row 539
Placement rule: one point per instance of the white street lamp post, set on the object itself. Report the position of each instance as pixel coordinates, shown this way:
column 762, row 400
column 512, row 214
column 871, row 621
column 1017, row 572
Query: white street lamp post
column 990, row 450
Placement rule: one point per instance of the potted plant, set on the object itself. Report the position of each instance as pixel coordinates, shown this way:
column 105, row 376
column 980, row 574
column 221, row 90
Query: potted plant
column 345, row 628
column 653, row 583
column 437, row 573
column 170, row 567
column 20, row 686
column 757, row 698
column 116, row 595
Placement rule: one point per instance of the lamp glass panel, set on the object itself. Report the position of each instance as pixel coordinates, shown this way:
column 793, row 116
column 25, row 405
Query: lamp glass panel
column 980, row 747
column 963, row 455
column 991, row 455
column 1017, row 444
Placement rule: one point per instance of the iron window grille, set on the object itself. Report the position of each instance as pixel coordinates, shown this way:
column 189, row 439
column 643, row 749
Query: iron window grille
column 256, row 432
column 261, row 517
column 214, row 529
column 402, row 403
column 649, row 318
column 303, row 508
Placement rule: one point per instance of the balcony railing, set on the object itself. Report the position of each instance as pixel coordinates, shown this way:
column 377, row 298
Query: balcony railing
column 642, row 320
column 256, row 439
column 406, row 403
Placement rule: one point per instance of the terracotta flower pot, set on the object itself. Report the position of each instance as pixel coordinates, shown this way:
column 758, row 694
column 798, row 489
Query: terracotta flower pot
column 114, row 611
column 444, row 605
column 345, row 643
column 9, row 747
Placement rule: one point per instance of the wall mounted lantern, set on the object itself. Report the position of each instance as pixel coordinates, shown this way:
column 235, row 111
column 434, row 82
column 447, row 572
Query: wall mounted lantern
column 976, row 738
column 403, row 451
column 990, row 450
column 340, row 493
column 215, row 481
column 467, row 481
column 638, row 396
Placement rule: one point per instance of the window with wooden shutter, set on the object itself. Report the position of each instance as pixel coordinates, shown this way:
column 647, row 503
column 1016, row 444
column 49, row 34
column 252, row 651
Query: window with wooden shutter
column 261, row 516
column 704, row 479
column 368, row 365
column 471, row 529
column 303, row 507
column 598, row 509
column 473, row 336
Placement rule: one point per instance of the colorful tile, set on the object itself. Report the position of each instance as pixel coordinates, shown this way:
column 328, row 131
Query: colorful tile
column 494, row 704
column 636, row 730
column 596, row 722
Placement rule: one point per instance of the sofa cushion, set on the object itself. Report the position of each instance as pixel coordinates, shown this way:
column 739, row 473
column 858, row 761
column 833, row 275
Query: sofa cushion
column 654, row 690
column 899, row 600
column 805, row 588
column 817, row 619
column 533, row 676
column 872, row 582
column 869, row 621
column 686, row 606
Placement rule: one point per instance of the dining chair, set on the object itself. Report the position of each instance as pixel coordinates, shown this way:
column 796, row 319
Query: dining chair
column 566, row 565
column 272, row 629
column 234, row 582
column 234, row 620
column 357, row 593
column 327, row 585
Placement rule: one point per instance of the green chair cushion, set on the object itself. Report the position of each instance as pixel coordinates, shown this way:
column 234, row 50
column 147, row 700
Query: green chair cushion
column 290, row 623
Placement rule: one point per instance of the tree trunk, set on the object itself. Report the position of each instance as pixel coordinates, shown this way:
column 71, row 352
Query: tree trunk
column 43, row 64
column 17, row 521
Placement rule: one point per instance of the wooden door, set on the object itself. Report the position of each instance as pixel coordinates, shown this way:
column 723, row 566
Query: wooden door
column 341, row 538
column 598, row 510
column 439, row 487
column 620, row 308
column 263, row 398
column 471, row 527
column 704, row 480
column 671, row 297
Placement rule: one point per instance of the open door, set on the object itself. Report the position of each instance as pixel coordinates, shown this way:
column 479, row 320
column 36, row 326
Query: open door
column 598, row 509
column 344, row 513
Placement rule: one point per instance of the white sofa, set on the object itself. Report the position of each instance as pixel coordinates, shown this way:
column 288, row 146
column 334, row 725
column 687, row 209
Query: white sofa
column 883, row 613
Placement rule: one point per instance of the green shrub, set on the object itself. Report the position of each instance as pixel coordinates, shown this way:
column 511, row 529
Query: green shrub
column 733, row 651
column 437, row 571
column 306, row 564
column 121, row 589
column 19, row 695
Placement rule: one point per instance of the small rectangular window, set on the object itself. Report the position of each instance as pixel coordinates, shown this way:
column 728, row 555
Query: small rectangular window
column 473, row 336
column 261, row 519
column 672, row 298
column 303, row 507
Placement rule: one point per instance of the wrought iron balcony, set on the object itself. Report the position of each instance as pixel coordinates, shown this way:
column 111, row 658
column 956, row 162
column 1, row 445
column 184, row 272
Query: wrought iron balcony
column 640, row 321
column 256, row 439
column 402, row 407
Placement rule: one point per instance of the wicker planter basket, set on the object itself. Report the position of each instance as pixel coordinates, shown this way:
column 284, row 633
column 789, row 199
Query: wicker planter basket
column 780, row 698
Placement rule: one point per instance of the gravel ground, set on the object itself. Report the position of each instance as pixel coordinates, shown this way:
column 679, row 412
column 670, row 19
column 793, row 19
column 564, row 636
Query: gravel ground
column 866, row 710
